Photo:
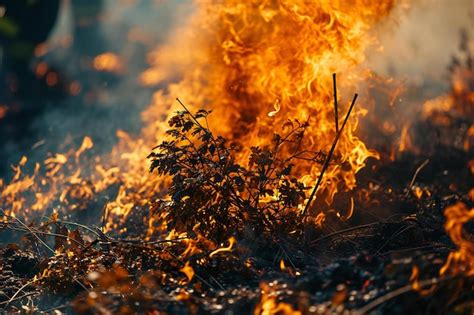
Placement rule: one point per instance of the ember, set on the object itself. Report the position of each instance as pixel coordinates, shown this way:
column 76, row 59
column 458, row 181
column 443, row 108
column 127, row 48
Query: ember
column 274, row 171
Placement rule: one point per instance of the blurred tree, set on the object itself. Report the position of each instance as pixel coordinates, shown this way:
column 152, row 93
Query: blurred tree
column 23, row 25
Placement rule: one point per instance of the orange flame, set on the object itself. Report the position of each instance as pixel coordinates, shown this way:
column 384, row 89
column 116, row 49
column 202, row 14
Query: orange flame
column 242, row 59
column 282, row 265
column 224, row 249
column 265, row 62
column 238, row 58
column 188, row 271
column 461, row 260
column 269, row 305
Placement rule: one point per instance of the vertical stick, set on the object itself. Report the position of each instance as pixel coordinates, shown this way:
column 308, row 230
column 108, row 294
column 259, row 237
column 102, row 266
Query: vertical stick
column 336, row 114
column 328, row 158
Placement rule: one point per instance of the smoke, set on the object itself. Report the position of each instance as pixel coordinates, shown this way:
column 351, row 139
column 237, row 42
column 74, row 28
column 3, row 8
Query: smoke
column 421, row 46
column 106, row 102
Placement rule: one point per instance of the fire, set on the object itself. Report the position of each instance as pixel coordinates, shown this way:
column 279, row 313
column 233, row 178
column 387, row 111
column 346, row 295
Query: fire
column 224, row 249
column 405, row 141
column 270, row 306
column 256, row 64
column 282, row 265
column 60, row 178
column 188, row 271
column 461, row 260
column 277, row 107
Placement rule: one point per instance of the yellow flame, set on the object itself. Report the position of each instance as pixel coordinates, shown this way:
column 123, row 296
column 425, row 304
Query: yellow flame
column 257, row 54
column 282, row 264
column 188, row 271
column 238, row 58
column 461, row 260
column 224, row 249
column 87, row 144
column 269, row 305
column 277, row 108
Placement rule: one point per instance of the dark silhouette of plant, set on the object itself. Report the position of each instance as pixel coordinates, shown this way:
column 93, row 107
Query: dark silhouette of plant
column 212, row 195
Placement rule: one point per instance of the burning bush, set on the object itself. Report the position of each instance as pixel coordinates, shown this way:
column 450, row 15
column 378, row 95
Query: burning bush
column 211, row 194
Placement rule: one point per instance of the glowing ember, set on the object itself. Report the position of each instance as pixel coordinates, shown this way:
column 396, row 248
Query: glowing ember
column 108, row 62
column 3, row 111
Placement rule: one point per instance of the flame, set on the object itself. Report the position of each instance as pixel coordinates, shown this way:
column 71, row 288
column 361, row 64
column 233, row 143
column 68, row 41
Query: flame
column 282, row 265
column 418, row 192
column 87, row 144
column 243, row 59
column 188, row 271
column 269, row 305
column 266, row 62
column 417, row 285
column 320, row 218
column 224, row 249
column 58, row 179
column 461, row 260
column 191, row 248
column 414, row 278
column 405, row 140
column 277, row 107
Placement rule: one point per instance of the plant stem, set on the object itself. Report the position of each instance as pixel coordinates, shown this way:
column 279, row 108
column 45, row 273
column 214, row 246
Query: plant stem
column 329, row 156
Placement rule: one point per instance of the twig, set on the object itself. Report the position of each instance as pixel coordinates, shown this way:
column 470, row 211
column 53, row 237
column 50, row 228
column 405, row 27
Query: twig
column 418, row 170
column 397, row 233
column 105, row 214
column 45, row 245
column 96, row 233
column 17, row 298
column 174, row 240
column 217, row 282
column 330, row 228
column 58, row 235
column 393, row 294
column 418, row 248
column 56, row 308
column 29, row 230
column 363, row 226
column 13, row 298
column 329, row 156
column 336, row 114
column 190, row 114
column 287, row 256
column 81, row 284
column 201, row 126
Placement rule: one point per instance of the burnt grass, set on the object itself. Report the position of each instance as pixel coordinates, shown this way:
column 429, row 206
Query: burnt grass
column 362, row 265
